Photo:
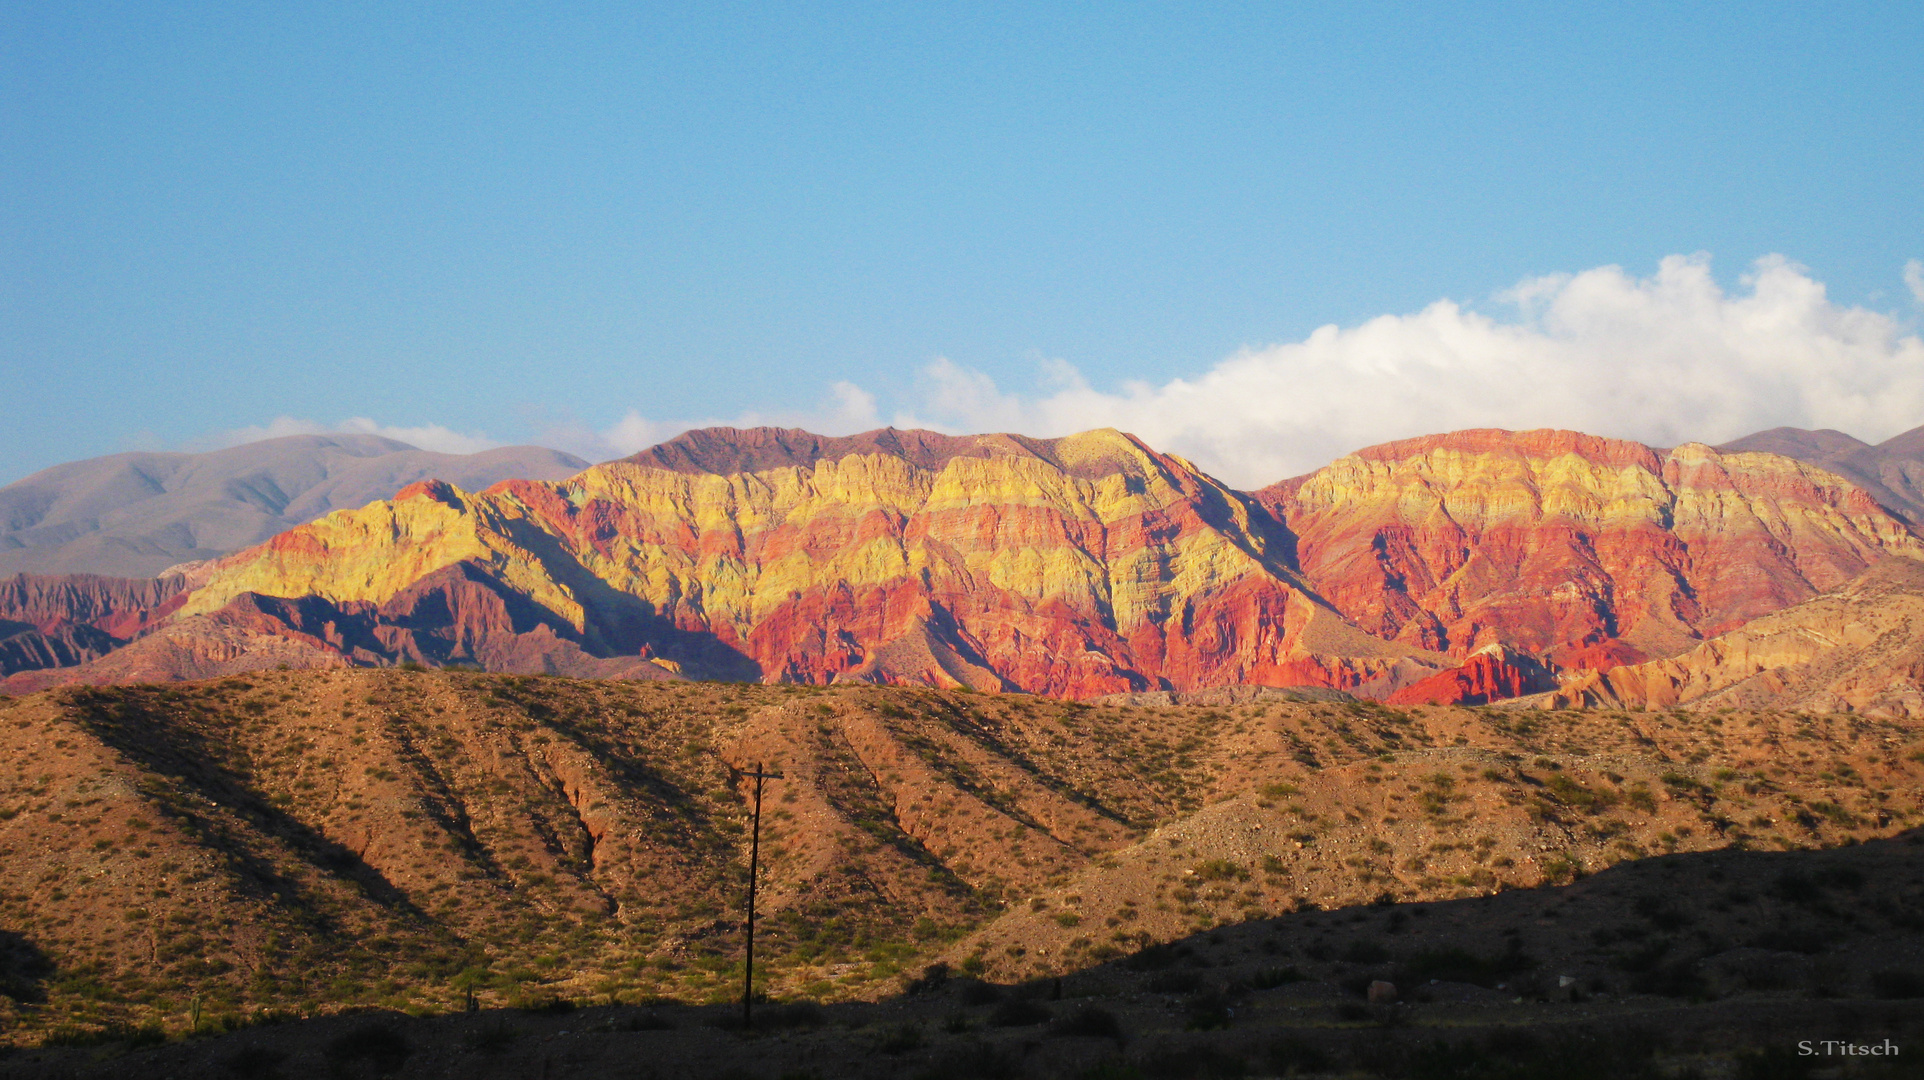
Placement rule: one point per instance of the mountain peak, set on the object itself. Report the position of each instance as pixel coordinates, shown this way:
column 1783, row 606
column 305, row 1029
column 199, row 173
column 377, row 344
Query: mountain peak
column 1536, row 443
column 723, row 451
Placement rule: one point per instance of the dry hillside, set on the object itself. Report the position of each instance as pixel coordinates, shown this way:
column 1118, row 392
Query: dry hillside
column 309, row 841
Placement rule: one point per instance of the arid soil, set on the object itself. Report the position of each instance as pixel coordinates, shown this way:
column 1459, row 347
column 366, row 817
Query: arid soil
column 310, row 843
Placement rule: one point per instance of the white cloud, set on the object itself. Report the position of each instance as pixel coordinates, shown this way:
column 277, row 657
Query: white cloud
column 1665, row 359
column 427, row 436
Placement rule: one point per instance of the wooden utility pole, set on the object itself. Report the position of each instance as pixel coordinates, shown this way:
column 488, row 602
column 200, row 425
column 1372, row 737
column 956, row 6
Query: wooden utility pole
column 754, row 860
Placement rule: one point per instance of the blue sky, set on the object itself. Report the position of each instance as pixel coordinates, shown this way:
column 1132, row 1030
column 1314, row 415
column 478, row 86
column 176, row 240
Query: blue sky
column 588, row 224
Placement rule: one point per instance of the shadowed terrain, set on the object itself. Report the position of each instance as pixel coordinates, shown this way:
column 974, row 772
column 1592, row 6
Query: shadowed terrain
column 1712, row 964
column 308, row 843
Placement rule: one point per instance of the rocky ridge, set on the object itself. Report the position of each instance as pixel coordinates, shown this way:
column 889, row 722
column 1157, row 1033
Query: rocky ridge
column 1583, row 551
column 1891, row 471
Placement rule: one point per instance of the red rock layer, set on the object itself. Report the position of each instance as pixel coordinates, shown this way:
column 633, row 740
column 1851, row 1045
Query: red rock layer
column 1490, row 675
column 1585, row 550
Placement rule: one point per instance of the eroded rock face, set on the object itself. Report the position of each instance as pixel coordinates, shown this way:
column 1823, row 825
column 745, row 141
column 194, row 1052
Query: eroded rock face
column 1075, row 566
column 59, row 620
column 1855, row 650
column 1492, row 673
column 1589, row 552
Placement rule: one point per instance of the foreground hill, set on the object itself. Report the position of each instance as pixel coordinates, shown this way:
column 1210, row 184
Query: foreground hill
column 135, row 514
column 310, row 841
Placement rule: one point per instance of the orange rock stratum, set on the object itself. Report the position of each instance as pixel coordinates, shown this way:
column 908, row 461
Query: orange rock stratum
column 1078, row 566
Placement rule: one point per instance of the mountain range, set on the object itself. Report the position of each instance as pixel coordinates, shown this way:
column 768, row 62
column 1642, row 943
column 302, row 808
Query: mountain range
column 1461, row 567
column 136, row 514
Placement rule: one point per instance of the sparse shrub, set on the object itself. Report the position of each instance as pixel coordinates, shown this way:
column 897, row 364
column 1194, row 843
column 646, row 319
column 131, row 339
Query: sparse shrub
column 650, row 1020
column 1088, row 1022
column 1151, row 958
column 1516, row 1055
column 1179, row 981
column 254, row 1062
column 1561, row 869
column 121, row 1034
column 1019, row 1012
column 1797, row 888
column 933, row 977
column 791, row 1014
column 1193, row 1063
column 492, row 1037
column 1461, row 965
column 1897, row 984
column 371, row 1049
column 1362, row 951
column 1292, row 1057
column 1774, row 1063
column 1220, row 870
column 1207, row 1011
column 1678, row 979
column 973, row 1061
column 1661, row 914
column 977, row 992
column 1271, row 978
column 899, row 1039
column 1848, row 878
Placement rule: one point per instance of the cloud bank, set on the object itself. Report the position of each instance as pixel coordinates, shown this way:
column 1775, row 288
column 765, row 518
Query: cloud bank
column 1665, row 359
column 426, row 437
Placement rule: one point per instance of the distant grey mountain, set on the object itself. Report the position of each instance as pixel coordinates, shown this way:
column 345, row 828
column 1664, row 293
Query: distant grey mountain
column 134, row 515
column 1892, row 471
